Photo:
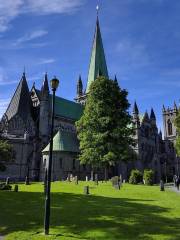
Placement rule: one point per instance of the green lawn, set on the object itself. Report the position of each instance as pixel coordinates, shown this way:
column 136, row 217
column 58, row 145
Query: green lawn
column 134, row 212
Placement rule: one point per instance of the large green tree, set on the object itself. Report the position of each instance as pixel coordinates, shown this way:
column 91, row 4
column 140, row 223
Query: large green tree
column 6, row 154
column 177, row 124
column 104, row 129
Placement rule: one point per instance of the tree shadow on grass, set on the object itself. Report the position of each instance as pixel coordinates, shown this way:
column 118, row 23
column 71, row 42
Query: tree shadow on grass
column 104, row 217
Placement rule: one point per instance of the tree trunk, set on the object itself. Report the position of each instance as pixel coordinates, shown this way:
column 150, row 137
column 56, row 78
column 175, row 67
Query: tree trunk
column 105, row 174
column 92, row 174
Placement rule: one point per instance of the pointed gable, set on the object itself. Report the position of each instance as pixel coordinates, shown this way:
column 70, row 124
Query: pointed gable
column 20, row 102
column 98, row 60
column 145, row 117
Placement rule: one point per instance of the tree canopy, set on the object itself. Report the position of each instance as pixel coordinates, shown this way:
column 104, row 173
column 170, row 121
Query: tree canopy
column 177, row 124
column 6, row 154
column 104, row 130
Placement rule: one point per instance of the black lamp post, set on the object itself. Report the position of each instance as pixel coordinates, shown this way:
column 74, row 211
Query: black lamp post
column 54, row 85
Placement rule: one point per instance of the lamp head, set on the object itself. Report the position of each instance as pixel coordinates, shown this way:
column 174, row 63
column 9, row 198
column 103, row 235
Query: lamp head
column 54, row 84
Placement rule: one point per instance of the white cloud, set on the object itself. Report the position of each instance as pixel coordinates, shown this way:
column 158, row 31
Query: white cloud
column 31, row 36
column 10, row 9
column 56, row 6
column 4, row 79
column 3, row 105
column 46, row 61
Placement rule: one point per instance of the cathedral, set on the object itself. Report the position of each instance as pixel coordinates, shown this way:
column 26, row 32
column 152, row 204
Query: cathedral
column 26, row 125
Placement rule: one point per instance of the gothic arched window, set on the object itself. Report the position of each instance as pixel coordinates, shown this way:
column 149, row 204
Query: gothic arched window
column 169, row 124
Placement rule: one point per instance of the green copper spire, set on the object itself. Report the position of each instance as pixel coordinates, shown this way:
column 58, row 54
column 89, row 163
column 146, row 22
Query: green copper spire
column 98, row 61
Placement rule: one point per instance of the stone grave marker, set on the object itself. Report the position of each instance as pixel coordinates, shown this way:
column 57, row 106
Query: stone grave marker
column 27, row 180
column 7, row 181
column 86, row 190
column 161, row 185
column 16, row 188
column 115, row 182
column 69, row 177
column 76, row 180
column 96, row 179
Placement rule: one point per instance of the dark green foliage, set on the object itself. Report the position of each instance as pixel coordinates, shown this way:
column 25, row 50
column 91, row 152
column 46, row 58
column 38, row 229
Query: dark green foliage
column 148, row 176
column 177, row 146
column 177, row 124
column 6, row 154
column 136, row 177
column 104, row 129
column 4, row 186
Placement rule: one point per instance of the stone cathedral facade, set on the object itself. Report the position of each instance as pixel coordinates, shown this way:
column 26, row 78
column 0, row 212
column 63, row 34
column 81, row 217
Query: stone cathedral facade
column 26, row 125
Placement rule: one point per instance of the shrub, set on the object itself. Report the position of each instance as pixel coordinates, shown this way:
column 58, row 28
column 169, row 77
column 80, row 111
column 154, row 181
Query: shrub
column 148, row 176
column 4, row 186
column 135, row 177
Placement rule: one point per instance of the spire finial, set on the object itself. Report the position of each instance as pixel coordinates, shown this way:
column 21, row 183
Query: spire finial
column 24, row 74
column 97, row 10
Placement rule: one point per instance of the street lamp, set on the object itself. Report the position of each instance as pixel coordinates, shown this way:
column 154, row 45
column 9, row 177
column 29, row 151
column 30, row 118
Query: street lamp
column 54, row 85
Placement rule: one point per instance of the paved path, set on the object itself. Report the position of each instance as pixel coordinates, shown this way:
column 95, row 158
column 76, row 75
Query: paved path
column 1, row 238
column 172, row 188
column 175, row 190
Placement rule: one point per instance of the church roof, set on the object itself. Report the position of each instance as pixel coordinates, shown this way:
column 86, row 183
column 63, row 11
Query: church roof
column 64, row 141
column 98, row 61
column 67, row 109
column 20, row 102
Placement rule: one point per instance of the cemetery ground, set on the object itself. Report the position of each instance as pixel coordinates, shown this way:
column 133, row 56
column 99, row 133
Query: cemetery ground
column 133, row 212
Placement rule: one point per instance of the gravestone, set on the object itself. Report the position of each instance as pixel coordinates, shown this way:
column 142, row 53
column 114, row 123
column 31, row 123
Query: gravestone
column 120, row 180
column 7, row 181
column 27, row 180
column 86, row 178
column 116, row 182
column 92, row 176
column 161, row 185
column 69, row 177
column 86, row 190
column 96, row 179
column 76, row 180
column 16, row 188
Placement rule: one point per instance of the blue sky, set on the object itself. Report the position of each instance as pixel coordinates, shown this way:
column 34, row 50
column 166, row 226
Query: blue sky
column 141, row 40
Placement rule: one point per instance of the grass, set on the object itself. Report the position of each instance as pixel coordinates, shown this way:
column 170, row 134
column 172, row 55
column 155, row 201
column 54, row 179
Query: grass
column 134, row 212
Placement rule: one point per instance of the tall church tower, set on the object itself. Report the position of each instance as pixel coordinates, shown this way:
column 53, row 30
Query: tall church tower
column 169, row 116
column 97, row 67
column 44, row 111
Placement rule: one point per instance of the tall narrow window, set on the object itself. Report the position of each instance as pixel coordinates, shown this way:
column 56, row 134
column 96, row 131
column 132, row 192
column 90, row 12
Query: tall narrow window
column 60, row 163
column 44, row 162
column 84, row 167
column 169, row 127
column 74, row 163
